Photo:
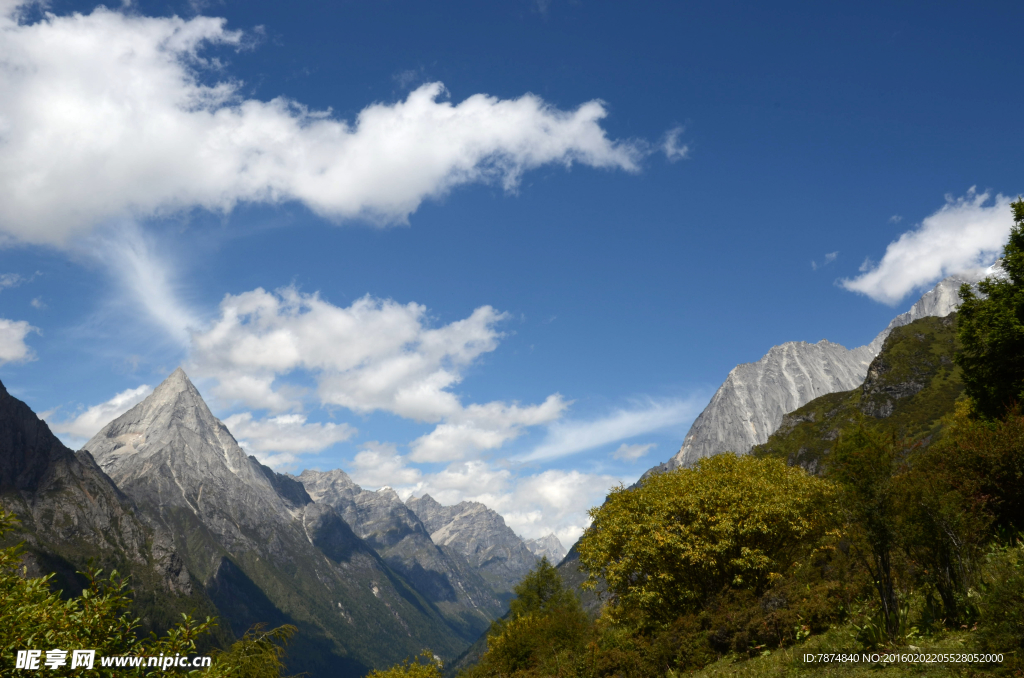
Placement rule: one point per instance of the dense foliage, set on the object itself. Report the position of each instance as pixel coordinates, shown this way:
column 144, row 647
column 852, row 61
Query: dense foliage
column 33, row 616
column 992, row 331
column 666, row 547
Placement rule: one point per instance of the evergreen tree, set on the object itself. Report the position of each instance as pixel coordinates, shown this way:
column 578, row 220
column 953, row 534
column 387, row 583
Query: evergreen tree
column 991, row 331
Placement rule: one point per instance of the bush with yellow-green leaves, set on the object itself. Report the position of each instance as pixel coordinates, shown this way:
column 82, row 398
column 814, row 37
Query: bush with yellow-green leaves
column 666, row 547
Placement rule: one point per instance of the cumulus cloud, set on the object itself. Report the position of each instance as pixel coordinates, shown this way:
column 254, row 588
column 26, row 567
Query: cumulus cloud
column 570, row 437
column 631, row 452
column 88, row 423
column 379, row 464
column 278, row 441
column 13, row 348
column 373, row 355
column 554, row 501
column 963, row 237
column 122, row 116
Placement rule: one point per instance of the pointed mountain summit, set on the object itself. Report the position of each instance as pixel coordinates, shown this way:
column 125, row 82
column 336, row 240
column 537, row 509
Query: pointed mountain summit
column 262, row 548
column 72, row 517
column 170, row 452
column 479, row 535
column 547, row 547
column 440, row 573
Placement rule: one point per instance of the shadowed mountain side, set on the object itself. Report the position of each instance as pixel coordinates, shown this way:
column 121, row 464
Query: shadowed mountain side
column 480, row 536
column 187, row 473
column 73, row 517
column 440, row 574
column 910, row 386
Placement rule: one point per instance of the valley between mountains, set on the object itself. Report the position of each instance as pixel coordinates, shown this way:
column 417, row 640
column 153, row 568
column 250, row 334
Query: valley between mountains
column 165, row 494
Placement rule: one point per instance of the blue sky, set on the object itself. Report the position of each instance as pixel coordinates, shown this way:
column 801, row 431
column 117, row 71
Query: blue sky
column 502, row 251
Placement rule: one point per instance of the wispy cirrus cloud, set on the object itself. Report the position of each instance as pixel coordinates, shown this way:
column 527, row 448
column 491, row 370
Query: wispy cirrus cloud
column 571, row 437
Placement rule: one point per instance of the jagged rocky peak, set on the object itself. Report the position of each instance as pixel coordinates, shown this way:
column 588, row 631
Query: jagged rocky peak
column 70, row 509
column 748, row 407
column 479, row 535
column 547, row 547
column 170, row 451
column 401, row 539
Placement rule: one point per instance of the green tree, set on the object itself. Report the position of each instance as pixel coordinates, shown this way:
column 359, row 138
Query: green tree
column 545, row 632
column 665, row 547
column 866, row 466
column 991, row 331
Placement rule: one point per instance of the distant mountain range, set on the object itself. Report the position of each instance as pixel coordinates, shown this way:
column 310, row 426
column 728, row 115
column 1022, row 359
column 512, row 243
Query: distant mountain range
column 165, row 493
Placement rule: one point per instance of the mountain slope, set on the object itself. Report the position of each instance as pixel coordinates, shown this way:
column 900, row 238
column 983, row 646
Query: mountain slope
column 264, row 551
column 911, row 385
column 442, row 575
column 750, row 404
column 72, row 515
column 479, row 535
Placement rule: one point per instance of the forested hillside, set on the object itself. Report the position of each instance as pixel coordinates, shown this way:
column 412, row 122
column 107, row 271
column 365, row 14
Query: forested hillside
column 885, row 518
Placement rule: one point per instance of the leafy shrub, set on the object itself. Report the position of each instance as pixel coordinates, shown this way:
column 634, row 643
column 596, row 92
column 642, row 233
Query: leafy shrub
column 666, row 547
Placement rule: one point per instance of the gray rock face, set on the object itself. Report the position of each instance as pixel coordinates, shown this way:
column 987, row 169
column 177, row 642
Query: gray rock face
column 71, row 512
column 263, row 549
column 749, row 406
column 480, row 536
column 547, row 547
column 442, row 575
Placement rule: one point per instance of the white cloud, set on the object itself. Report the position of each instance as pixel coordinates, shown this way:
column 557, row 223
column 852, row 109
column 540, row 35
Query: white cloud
column 145, row 278
column 38, row 303
column 553, row 501
column 373, row 355
column 963, row 237
column 10, row 280
column 109, row 110
column 88, row 423
column 278, row 441
column 828, row 259
column 671, row 146
column 483, row 427
column 570, row 437
column 13, row 348
column 380, row 464
column 631, row 452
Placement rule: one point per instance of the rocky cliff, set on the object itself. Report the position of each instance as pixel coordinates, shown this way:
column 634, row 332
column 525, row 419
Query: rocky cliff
column 547, row 547
column 441, row 574
column 479, row 535
column 73, row 517
column 749, row 406
column 262, row 548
